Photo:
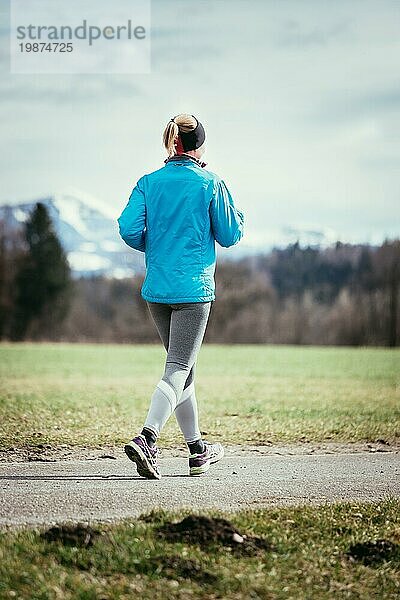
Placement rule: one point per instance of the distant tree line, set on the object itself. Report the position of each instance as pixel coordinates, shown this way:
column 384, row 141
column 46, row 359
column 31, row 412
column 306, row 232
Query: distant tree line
column 342, row 295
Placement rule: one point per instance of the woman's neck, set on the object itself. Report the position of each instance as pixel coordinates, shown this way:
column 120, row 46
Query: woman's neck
column 186, row 155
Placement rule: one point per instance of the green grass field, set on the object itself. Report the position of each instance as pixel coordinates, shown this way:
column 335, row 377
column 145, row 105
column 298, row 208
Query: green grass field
column 91, row 395
column 310, row 554
column 248, row 394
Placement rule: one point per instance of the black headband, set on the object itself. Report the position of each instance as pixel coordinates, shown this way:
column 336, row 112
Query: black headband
column 191, row 140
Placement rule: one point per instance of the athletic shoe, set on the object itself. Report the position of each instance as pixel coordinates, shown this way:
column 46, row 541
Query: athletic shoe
column 145, row 457
column 200, row 463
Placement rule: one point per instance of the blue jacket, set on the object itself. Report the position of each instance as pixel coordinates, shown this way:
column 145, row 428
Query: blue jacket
column 175, row 215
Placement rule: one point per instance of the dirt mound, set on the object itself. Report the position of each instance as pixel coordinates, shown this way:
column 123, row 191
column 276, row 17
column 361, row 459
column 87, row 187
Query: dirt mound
column 172, row 567
column 374, row 553
column 207, row 531
column 71, row 535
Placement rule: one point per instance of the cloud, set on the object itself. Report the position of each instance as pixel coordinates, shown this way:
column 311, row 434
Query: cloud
column 294, row 34
column 350, row 104
column 54, row 90
column 299, row 101
column 381, row 102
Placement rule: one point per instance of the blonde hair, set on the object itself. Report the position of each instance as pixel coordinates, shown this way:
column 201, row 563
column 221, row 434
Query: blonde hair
column 182, row 122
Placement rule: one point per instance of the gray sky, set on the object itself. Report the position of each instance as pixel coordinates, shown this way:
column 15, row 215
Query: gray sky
column 300, row 100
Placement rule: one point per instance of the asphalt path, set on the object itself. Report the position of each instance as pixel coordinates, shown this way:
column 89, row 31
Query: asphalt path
column 41, row 493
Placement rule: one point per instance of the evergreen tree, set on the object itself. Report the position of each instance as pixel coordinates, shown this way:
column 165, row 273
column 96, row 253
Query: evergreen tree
column 43, row 279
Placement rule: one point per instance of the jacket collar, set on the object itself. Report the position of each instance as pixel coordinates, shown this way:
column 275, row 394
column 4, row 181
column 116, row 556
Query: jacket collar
column 180, row 157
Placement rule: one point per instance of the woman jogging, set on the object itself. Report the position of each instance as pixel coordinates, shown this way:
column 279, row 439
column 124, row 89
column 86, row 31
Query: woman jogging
column 174, row 215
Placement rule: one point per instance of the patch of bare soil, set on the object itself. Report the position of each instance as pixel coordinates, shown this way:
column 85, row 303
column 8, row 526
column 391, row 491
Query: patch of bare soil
column 207, row 531
column 172, row 567
column 373, row 553
column 49, row 453
column 71, row 535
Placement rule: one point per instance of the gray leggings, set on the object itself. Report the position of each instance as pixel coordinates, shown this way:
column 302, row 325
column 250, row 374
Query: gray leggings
column 181, row 328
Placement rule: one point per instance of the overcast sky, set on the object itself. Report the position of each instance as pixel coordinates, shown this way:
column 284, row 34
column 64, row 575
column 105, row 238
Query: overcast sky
column 300, row 101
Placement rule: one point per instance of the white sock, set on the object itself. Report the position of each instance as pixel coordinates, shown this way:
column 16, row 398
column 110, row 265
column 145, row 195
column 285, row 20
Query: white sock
column 162, row 405
column 187, row 415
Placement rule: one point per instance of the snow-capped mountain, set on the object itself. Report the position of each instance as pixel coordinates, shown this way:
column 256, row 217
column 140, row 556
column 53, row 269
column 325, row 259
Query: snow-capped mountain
column 306, row 234
column 87, row 230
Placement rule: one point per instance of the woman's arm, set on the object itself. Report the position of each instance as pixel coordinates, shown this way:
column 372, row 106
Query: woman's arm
column 132, row 222
column 227, row 221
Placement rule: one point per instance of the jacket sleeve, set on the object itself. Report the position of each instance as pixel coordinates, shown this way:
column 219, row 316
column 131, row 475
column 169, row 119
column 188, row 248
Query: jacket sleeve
column 132, row 222
column 227, row 221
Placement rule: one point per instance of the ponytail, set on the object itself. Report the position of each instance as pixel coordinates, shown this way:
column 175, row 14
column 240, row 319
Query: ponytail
column 170, row 136
column 184, row 123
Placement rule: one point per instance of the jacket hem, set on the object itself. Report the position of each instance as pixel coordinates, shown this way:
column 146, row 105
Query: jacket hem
column 179, row 299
